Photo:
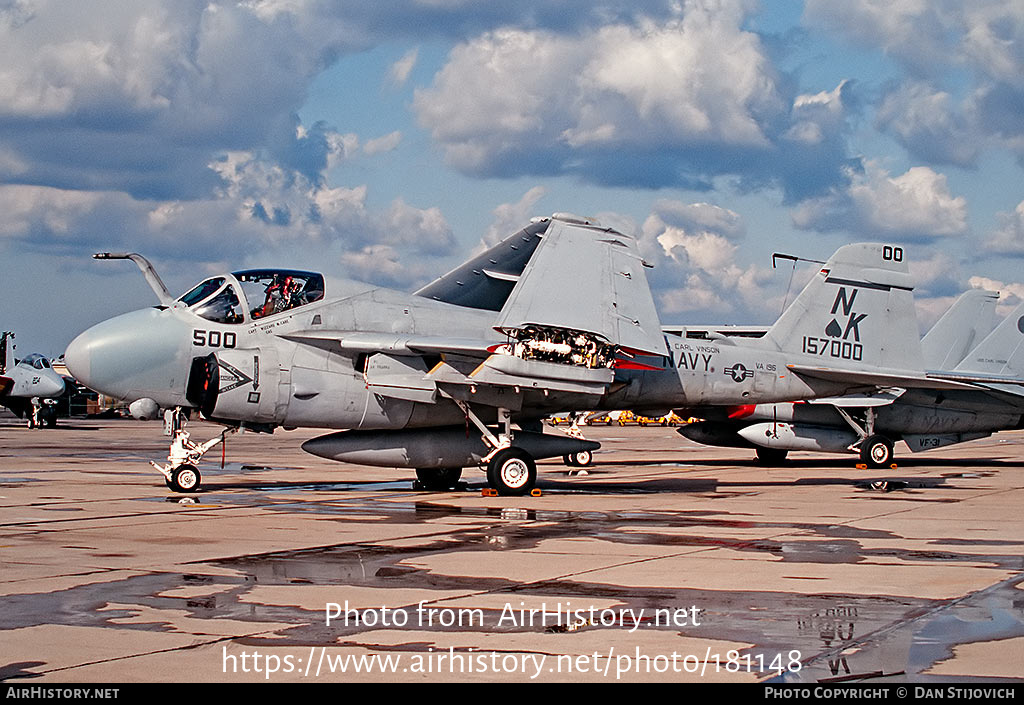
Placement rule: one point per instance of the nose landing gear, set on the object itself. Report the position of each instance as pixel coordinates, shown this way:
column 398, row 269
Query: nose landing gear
column 181, row 472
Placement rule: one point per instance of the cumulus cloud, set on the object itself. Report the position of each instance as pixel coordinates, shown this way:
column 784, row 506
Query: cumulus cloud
column 695, row 269
column 400, row 70
column 916, row 205
column 510, row 217
column 1008, row 238
column 675, row 102
column 928, row 123
column 940, row 42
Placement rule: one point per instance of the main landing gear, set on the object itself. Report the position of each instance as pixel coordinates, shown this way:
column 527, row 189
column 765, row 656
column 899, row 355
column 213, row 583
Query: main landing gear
column 511, row 471
column 875, row 449
column 181, row 472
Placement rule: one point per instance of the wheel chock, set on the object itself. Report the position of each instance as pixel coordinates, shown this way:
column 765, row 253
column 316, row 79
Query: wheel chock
column 893, row 466
column 488, row 492
column 861, row 466
column 535, row 492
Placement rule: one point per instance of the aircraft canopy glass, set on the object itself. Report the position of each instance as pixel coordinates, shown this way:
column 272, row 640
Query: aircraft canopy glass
column 37, row 361
column 270, row 291
column 253, row 294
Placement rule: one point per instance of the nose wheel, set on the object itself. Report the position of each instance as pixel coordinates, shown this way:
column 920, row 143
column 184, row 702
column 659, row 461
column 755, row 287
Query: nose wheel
column 185, row 478
column 181, row 471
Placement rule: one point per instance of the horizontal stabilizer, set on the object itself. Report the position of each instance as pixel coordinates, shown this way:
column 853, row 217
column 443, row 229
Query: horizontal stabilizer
column 590, row 279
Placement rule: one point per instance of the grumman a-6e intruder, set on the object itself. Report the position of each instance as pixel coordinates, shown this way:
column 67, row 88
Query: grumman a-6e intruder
column 462, row 372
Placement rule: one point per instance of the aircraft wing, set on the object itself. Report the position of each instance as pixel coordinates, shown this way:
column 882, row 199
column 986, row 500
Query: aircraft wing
column 876, row 379
column 587, row 278
column 486, row 280
column 359, row 342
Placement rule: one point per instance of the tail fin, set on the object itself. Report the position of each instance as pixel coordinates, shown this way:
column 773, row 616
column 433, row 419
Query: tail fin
column 858, row 310
column 1002, row 351
column 960, row 328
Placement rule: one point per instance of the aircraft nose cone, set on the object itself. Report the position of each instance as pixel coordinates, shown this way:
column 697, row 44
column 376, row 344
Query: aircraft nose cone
column 78, row 356
column 139, row 354
column 51, row 386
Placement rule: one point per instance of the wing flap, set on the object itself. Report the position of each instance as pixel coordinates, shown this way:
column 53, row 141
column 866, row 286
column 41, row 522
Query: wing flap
column 400, row 377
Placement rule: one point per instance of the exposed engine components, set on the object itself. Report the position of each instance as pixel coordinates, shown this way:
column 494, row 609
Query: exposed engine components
column 563, row 346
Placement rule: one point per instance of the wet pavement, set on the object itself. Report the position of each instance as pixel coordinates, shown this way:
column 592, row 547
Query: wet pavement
column 665, row 560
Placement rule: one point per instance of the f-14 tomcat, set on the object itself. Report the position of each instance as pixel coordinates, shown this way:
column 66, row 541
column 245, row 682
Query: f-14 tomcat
column 924, row 419
column 558, row 316
column 28, row 384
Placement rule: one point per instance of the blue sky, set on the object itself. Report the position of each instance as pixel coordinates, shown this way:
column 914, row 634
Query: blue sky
column 387, row 141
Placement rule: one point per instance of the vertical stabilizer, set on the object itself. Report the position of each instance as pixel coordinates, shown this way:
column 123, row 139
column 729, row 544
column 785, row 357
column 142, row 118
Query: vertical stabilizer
column 1002, row 351
column 857, row 311
column 959, row 330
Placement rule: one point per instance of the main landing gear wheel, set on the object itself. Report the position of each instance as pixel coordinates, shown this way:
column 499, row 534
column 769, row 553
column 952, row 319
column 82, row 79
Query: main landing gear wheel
column 578, row 460
column 185, row 478
column 770, row 456
column 512, row 472
column 438, row 479
column 876, row 451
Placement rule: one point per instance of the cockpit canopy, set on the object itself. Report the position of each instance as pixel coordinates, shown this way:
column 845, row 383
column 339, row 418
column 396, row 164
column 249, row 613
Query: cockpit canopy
column 253, row 294
column 37, row 361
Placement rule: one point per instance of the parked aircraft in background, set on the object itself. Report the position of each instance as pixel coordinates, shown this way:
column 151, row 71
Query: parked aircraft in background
column 27, row 386
column 437, row 380
column 870, row 423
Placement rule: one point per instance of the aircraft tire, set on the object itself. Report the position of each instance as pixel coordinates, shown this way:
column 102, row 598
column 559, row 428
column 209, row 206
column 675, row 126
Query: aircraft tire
column 185, row 478
column 438, row 479
column 581, row 459
column 876, row 451
column 567, row 459
column 771, row 456
column 512, row 472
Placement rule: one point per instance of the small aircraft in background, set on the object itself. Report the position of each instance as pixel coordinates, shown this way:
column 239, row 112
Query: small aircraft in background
column 463, row 372
column 29, row 387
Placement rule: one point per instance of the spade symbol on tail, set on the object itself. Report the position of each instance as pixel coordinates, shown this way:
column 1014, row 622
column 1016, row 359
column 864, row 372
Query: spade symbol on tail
column 834, row 330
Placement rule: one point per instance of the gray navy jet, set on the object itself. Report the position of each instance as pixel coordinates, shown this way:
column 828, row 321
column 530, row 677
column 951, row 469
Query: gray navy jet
column 26, row 386
column 958, row 347
column 556, row 317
